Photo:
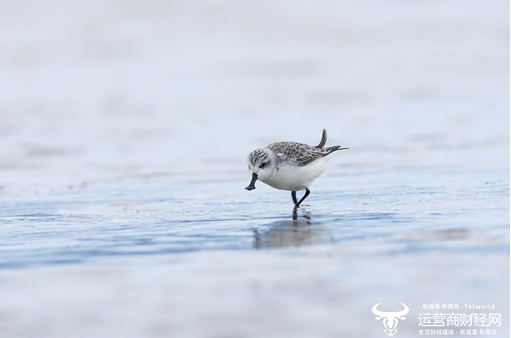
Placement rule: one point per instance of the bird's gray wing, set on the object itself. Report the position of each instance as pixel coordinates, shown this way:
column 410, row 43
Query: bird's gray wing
column 295, row 153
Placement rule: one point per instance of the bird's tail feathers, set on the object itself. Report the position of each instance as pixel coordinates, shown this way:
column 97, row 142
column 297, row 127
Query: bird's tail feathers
column 334, row 148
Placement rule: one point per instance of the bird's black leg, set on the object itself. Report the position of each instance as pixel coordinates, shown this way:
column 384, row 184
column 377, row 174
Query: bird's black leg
column 307, row 192
column 293, row 194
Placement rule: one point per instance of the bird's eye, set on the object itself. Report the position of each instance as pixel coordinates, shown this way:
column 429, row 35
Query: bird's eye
column 262, row 165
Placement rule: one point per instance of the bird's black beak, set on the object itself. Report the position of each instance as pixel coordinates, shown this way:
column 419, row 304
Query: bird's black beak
column 251, row 186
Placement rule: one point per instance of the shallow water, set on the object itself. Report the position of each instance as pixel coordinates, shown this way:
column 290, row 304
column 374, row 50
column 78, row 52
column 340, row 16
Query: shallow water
column 124, row 130
column 449, row 210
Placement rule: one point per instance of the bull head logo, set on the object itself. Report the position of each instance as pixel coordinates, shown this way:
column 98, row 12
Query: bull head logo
column 390, row 319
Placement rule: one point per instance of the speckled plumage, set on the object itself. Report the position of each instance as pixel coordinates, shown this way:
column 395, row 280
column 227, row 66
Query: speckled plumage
column 289, row 166
column 299, row 154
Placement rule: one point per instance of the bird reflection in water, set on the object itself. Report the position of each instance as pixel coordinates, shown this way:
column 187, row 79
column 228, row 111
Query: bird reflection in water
column 298, row 231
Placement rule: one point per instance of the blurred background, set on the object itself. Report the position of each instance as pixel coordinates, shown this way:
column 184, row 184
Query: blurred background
column 106, row 88
column 124, row 131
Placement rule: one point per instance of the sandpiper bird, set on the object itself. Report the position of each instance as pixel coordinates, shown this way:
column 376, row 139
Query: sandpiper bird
column 290, row 166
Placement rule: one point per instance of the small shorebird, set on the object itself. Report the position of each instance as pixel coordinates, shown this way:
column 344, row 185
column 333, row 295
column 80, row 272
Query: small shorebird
column 290, row 166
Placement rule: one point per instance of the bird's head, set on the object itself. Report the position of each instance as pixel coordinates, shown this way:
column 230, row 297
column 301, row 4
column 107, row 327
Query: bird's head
column 261, row 163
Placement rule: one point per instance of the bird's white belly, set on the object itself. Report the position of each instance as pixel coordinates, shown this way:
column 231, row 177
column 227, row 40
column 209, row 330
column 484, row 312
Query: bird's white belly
column 295, row 178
